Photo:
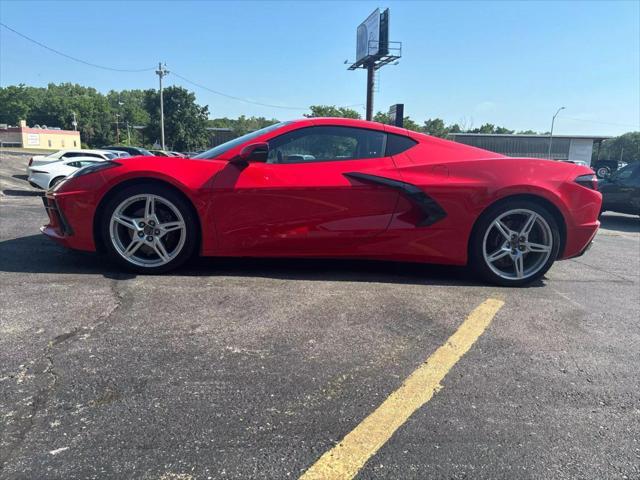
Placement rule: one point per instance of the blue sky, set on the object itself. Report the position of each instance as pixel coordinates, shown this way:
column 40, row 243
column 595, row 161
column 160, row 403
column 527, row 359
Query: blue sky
column 508, row 63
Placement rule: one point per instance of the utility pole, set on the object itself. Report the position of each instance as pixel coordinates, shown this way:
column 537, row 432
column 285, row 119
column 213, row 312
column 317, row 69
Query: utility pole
column 553, row 120
column 161, row 72
column 370, row 87
column 128, row 134
column 75, row 122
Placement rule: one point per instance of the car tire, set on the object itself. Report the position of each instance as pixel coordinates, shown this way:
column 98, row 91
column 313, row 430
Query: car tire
column 149, row 229
column 55, row 181
column 603, row 171
column 500, row 258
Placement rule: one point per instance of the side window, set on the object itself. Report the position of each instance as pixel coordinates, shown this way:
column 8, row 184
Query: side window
column 84, row 163
column 625, row 173
column 398, row 143
column 74, row 164
column 326, row 143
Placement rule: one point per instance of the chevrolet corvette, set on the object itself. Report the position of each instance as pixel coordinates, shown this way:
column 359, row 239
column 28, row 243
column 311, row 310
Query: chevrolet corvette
column 332, row 188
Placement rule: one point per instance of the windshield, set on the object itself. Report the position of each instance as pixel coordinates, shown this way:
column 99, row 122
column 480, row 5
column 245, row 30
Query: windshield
column 622, row 173
column 220, row 149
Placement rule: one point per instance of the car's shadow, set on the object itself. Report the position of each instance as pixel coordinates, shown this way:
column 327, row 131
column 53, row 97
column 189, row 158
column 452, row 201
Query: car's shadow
column 620, row 222
column 23, row 193
column 37, row 254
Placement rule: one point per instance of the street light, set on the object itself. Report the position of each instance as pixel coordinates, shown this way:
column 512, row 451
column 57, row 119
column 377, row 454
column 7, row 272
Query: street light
column 553, row 120
column 161, row 72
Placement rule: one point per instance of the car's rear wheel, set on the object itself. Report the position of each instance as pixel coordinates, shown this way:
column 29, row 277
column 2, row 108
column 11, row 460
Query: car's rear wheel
column 515, row 243
column 149, row 229
column 603, row 172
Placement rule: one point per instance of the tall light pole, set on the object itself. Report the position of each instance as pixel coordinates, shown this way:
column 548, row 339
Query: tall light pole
column 117, row 129
column 553, row 121
column 161, row 72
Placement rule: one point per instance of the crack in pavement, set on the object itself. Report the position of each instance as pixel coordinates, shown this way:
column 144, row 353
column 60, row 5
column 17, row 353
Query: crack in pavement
column 16, row 436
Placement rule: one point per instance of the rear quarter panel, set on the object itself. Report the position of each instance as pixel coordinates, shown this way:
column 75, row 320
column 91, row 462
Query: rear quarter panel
column 465, row 181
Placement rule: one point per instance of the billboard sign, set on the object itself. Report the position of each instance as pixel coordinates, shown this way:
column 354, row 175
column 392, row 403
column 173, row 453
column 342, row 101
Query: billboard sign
column 33, row 139
column 368, row 37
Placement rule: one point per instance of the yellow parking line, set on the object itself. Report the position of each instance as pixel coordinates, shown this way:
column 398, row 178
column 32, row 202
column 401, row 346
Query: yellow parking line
column 346, row 459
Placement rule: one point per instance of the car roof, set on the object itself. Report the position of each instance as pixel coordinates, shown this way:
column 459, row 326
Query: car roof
column 65, row 162
column 352, row 122
column 81, row 159
column 81, row 150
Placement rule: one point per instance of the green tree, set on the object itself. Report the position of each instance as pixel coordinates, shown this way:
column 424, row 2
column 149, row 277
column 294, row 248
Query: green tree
column 408, row 122
column 491, row 128
column 331, row 111
column 435, row 127
column 626, row 147
column 185, row 121
column 56, row 104
column 129, row 107
column 242, row 124
column 15, row 103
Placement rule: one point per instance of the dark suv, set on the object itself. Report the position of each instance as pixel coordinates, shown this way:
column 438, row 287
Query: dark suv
column 133, row 151
column 604, row 168
column 621, row 191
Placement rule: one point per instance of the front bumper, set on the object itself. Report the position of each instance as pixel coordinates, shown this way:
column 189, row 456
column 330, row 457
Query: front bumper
column 57, row 220
column 70, row 220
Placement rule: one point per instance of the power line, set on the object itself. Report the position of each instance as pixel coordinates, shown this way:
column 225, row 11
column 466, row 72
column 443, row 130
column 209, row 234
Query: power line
column 233, row 97
column 74, row 58
column 114, row 69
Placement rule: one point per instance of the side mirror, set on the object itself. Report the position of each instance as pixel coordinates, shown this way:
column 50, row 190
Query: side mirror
column 254, row 152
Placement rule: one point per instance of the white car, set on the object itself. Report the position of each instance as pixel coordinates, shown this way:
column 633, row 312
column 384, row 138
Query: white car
column 118, row 153
column 38, row 160
column 47, row 175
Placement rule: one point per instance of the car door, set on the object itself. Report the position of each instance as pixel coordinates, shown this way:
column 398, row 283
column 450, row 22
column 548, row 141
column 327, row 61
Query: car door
column 302, row 200
column 620, row 192
column 630, row 193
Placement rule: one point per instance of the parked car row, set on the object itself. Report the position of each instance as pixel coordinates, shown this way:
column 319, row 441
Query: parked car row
column 44, row 171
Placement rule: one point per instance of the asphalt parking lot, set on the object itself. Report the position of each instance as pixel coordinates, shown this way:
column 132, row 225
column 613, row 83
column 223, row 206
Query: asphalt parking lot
column 254, row 369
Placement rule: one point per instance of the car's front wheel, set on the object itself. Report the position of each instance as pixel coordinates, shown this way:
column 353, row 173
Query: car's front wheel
column 149, row 229
column 515, row 243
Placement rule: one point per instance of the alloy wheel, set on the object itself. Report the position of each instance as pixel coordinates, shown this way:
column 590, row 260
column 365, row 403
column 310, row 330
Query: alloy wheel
column 517, row 244
column 147, row 230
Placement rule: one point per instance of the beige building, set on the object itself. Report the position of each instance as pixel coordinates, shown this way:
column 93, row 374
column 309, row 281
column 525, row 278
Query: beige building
column 38, row 137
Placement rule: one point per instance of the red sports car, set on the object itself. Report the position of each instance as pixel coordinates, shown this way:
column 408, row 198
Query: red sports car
column 331, row 188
